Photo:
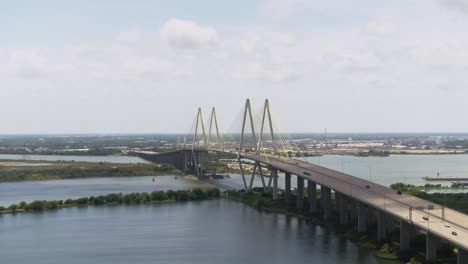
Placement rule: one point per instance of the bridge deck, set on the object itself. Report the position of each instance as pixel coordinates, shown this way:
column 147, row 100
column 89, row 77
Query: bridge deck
column 381, row 197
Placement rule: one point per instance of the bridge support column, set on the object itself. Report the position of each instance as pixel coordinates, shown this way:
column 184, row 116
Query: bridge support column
column 337, row 201
column 431, row 247
column 370, row 215
column 362, row 217
column 462, row 256
column 381, row 225
column 343, row 210
column 354, row 210
column 312, row 196
column 322, row 199
column 185, row 161
column 327, row 208
column 287, row 188
column 405, row 235
column 274, row 174
column 300, row 193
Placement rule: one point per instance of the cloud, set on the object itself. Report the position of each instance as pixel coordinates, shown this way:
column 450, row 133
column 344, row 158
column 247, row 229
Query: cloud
column 129, row 36
column 458, row 4
column 188, row 34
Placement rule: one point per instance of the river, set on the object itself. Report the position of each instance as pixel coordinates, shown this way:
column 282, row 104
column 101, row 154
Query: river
column 382, row 170
column 397, row 168
column 220, row 231
column 14, row 192
column 112, row 159
column 216, row 231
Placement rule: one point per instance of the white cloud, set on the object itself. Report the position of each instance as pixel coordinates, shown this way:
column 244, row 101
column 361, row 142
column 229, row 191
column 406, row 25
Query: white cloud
column 129, row 36
column 188, row 34
column 458, row 4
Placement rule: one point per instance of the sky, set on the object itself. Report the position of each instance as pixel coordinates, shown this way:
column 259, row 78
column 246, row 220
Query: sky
column 115, row 66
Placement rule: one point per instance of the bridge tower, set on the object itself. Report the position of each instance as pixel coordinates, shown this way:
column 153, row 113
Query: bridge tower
column 199, row 147
column 257, row 168
column 214, row 122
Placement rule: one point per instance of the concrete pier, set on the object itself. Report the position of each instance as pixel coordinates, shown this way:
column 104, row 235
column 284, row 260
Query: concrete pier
column 312, row 196
column 370, row 215
column 362, row 217
column 337, row 202
column 343, row 210
column 322, row 199
column 300, row 193
column 462, row 257
column 405, row 235
column 287, row 188
column 327, row 207
column 431, row 247
column 381, row 225
column 274, row 174
column 353, row 204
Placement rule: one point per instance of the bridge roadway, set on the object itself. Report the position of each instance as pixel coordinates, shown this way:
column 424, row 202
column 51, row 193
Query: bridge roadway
column 403, row 207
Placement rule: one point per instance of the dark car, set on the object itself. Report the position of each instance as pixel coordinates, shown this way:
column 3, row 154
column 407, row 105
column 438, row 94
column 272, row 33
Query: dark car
column 454, row 233
column 367, row 186
column 398, row 192
column 426, row 218
column 307, row 173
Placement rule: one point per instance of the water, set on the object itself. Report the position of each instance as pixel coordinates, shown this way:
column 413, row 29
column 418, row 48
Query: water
column 397, row 168
column 112, row 159
column 382, row 170
column 14, row 192
column 218, row 231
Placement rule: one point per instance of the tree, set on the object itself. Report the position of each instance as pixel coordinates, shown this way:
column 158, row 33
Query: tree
column 198, row 194
column 23, row 205
column 158, row 196
column 13, row 208
column 36, row 205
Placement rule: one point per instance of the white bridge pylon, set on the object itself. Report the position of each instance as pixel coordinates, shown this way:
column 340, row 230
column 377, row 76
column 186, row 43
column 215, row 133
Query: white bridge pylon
column 207, row 141
column 252, row 141
column 259, row 142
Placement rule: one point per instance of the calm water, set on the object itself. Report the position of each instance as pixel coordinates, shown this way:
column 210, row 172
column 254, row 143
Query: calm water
column 113, row 159
column 15, row 192
column 383, row 170
column 397, row 168
column 219, row 231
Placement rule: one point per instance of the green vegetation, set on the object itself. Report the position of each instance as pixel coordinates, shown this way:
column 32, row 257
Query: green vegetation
column 11, row 171
column 457, row 201
column 115, row 199
column 372, row 153
column 414, row 190
column 218, row 167
column 457, row 144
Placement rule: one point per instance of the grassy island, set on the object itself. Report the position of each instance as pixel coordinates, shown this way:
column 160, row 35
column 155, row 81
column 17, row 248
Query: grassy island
column 114, row 199
column 12, row 171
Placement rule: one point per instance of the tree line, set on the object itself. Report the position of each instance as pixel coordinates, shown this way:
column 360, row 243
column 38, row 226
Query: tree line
column 115, row 198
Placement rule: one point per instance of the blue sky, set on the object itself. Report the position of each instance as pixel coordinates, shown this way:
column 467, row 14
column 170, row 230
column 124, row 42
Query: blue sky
column 58, row 22
column 146, row 66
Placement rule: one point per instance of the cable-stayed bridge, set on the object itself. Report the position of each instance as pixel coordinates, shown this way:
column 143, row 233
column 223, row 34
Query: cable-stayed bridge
column 355, row 200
